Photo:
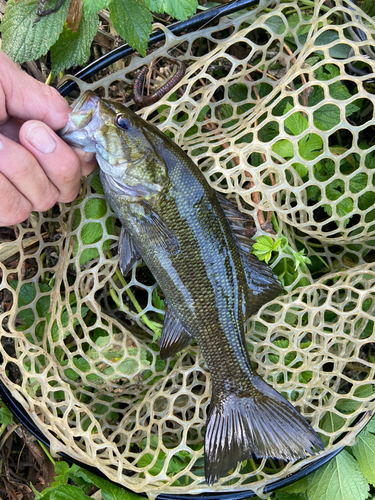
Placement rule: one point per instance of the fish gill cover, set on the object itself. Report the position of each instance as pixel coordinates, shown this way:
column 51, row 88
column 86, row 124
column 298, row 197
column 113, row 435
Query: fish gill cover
column 276, row 120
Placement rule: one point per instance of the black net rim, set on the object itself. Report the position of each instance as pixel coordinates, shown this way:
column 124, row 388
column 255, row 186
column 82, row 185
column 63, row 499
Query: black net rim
column 17, row 409
column 21, row 414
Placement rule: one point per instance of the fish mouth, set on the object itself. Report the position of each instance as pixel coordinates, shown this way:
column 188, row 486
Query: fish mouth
column 81, row 119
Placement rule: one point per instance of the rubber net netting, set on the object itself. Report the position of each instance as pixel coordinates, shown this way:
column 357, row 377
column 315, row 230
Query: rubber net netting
column 273, row 115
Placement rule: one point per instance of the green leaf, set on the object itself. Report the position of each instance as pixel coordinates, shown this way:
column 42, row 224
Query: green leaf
column 128, row 366
column 5, row 415
column 180, row 9
column 284, row 148
column 370, row 427
column 94, row 6
column 97, row 185
column 91, row 233
column 364, row 452
column 310, row 146
column 23, row 40
column 109, row 490
column 67, row 492
column 296, row 122
column 358, row 182
column 344, row 207
column 132, row 21
column 327, row 116
column 331, row 422
column 72, row 49
column 340, row 479
column 264, row 246
column 26, row 294
column 95, row 208
column 301, row 170
column 61, row 469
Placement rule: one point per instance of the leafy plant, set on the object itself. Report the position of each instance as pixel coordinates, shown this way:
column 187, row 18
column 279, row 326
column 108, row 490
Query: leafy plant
column 69, row 32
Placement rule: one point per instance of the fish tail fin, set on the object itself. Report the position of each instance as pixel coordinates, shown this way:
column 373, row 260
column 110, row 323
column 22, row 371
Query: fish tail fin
column 264, row 424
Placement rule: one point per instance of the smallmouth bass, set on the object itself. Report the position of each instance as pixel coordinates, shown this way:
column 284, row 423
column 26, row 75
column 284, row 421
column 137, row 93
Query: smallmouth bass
column 194, row 242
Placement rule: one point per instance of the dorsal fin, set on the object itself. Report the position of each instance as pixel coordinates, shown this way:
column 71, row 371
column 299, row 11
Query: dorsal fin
column 263, row 284
column 241, row 224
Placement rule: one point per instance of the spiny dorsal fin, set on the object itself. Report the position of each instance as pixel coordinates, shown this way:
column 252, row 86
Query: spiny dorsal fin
column 174, row 337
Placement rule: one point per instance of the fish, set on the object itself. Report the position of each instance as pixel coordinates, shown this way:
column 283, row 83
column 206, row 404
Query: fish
column 196, row 244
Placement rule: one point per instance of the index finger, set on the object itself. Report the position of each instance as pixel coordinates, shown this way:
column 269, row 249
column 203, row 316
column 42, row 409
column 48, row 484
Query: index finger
column 27, row 99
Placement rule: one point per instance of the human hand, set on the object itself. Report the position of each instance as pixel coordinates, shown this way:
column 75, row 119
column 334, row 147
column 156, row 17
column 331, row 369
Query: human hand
column 37, row 168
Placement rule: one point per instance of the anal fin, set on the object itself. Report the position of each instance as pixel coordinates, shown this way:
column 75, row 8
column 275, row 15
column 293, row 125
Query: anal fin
column 174, row 337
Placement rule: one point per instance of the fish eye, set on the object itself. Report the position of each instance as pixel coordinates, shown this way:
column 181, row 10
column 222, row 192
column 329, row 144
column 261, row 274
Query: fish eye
column 123, row 122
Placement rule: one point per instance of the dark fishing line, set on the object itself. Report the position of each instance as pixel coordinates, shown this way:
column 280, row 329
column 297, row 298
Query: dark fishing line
column 194, row 23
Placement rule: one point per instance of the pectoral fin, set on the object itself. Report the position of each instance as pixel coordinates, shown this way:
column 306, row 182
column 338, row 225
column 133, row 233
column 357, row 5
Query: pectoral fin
column 157, row 231
column 174, row 337
column 128, row 252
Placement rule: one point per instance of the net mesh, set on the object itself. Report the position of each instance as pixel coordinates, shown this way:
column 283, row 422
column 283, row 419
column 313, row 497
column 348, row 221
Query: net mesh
column 271, row 113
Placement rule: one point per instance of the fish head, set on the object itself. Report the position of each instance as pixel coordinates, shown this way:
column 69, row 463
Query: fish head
column 110, row 130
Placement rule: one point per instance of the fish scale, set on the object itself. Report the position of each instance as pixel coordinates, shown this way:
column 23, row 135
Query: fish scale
column 189, row 240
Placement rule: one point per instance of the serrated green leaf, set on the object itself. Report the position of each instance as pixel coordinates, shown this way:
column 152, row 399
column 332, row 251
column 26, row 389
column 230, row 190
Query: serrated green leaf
column 282, row 495
column 5, row 415
column 23, row 40
column 238, row 92
column 340, row 479
column 132, row 21
column 364, row 452
column 94, row 6
column 72, row 49
column 180, row 9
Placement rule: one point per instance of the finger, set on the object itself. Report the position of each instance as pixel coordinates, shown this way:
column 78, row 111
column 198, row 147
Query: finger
column 60, row 163
column 23, row 97
column 88, row 161
column 15, row 208
column 11, row 129
column 20, row 167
